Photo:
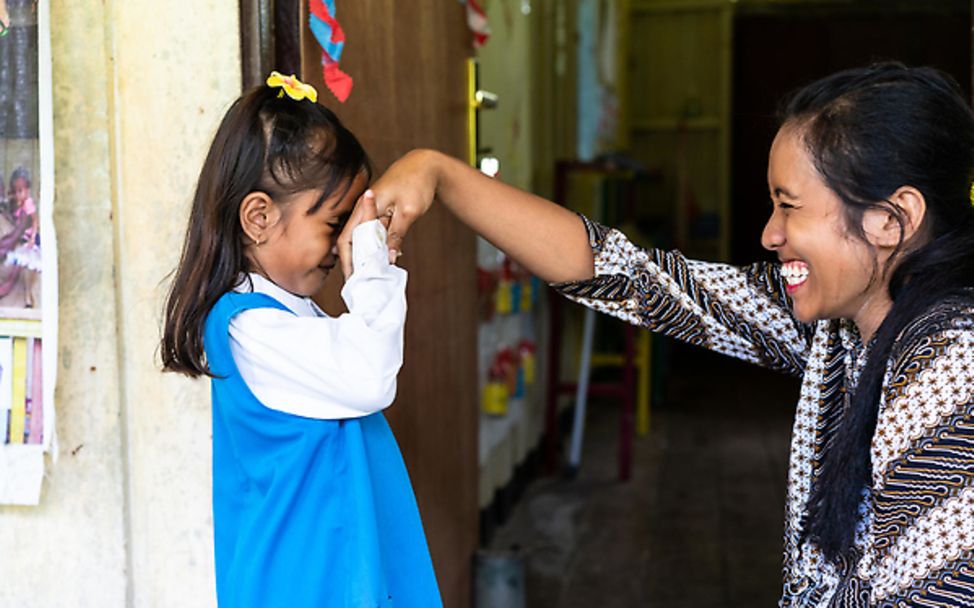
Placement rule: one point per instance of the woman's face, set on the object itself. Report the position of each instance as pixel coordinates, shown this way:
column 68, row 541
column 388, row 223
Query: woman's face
column 828, row 271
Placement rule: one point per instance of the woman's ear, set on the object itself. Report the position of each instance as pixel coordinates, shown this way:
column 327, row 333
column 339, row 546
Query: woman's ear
column 258, row 214
column 882, row 227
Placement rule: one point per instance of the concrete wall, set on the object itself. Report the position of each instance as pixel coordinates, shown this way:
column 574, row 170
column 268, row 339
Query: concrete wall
column 124, row 520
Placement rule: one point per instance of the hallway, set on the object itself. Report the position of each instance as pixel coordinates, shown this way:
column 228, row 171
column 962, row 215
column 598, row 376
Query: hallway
column 698, row 526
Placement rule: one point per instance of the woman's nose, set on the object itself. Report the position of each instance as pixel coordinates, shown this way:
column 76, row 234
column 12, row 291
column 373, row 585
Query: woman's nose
column 773, row 236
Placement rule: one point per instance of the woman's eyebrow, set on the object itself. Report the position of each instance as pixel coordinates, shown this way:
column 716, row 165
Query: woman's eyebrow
column 779, row 191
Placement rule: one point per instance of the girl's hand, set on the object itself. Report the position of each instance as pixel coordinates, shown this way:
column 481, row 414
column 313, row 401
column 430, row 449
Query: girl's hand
column 363, row 212
column 405, row 192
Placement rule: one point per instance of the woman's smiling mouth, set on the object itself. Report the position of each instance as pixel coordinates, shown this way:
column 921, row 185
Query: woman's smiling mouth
column 795, row 273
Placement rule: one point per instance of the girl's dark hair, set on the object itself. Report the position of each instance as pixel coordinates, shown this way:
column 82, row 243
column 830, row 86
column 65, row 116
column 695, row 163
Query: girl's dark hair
column 20, row 173
column 870, row 131
column 265, row 143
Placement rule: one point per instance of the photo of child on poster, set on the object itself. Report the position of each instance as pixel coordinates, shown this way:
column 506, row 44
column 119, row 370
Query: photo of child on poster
column 27, row 342
column 20, row 244
column 20, row 239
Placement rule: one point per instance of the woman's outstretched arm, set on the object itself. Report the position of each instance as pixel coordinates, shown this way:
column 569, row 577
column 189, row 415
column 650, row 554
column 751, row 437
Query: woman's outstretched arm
column 742, row 312
column 547, row 239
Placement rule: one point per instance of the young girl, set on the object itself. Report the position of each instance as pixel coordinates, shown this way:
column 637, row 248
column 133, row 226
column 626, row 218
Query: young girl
column 312, row 504
column 27, row 255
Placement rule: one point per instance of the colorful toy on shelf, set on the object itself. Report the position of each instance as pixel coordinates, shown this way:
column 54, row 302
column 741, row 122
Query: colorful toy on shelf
column 504, row 300
column 515, row 297
column 527, row 349
column 527, row 295
column 507, row 297
column 510, row 360
column 507, row 361
column 486, row 286
column 495, row 395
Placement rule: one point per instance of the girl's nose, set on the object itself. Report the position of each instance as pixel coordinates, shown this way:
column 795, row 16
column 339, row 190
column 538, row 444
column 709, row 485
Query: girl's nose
column 773, row 236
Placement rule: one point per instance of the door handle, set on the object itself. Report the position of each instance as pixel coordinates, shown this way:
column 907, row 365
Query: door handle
column 485, row 100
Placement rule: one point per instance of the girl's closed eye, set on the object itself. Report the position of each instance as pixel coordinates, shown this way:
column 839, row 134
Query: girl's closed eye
column 339, row 222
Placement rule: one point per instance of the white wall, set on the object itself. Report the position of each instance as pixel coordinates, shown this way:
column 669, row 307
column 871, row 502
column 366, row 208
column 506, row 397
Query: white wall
column 124, row 520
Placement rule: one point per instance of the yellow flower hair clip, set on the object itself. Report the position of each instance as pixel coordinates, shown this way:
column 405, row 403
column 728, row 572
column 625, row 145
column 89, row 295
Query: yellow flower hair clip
column 294, row 88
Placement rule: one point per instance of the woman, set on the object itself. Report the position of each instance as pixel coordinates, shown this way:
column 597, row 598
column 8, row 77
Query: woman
column 872, row 303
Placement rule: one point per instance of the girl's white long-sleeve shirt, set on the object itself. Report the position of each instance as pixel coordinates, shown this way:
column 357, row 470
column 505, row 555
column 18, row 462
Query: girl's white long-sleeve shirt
column 310, row 364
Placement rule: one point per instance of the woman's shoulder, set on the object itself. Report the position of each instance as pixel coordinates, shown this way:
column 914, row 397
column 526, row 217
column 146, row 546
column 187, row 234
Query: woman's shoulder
column 946, row 328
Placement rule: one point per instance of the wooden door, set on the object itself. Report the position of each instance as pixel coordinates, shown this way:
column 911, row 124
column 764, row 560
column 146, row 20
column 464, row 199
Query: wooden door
column 408, row 62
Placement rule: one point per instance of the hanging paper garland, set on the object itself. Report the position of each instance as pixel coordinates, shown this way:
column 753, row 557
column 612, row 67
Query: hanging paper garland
column 477, row 22
column 330, row 36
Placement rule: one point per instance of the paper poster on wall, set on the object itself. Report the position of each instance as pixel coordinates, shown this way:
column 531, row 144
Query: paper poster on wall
column 28, row 254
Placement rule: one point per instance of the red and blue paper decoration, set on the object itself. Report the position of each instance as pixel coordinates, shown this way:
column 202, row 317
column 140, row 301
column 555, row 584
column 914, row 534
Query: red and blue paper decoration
column 330, row 36
column 477, row 22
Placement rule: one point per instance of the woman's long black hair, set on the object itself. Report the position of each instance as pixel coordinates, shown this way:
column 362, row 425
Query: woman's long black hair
column 266, row 143
column 870, row 131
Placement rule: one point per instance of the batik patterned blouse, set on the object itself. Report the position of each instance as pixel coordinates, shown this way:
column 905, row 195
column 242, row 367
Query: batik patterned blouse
column 915, row 541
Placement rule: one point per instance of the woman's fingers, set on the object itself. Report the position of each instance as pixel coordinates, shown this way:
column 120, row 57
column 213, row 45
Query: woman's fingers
column 398, row 226
column 385, row 219
column 404, row 193
column 397, row 222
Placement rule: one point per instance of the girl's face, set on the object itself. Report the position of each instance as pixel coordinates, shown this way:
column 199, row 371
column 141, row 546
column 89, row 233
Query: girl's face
column 828, row 272
column 299, row 249
column 20, row 190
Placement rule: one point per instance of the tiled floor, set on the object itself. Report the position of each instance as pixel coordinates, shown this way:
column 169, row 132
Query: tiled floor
column 698, row 526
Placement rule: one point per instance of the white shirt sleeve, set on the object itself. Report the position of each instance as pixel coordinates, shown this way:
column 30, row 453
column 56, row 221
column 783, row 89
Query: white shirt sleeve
column 326, row 367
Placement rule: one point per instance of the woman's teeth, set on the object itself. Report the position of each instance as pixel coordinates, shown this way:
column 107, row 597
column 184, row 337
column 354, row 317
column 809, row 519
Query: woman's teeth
column 794, row 273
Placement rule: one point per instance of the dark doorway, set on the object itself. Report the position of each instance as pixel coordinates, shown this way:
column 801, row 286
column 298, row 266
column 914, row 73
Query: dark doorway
column 779, row 49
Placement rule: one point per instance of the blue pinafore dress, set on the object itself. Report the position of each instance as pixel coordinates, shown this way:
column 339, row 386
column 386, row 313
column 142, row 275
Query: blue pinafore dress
column 306, row 512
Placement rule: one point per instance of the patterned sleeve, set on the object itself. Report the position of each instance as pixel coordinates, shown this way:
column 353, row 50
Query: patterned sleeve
column 741, row 312
column 923, row 476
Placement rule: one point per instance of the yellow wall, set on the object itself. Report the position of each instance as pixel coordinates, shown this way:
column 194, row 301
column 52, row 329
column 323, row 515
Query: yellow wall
column 124, row 519
column 505, row 70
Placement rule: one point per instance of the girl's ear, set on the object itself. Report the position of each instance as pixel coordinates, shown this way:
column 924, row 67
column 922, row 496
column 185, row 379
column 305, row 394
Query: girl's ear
column 258, row 214
column 881, row 226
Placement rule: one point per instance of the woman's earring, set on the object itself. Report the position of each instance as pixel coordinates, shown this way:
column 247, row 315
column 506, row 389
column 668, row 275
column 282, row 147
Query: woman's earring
column 257, row 241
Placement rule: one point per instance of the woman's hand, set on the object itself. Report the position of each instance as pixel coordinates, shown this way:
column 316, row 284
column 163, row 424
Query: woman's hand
column 404, row 193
